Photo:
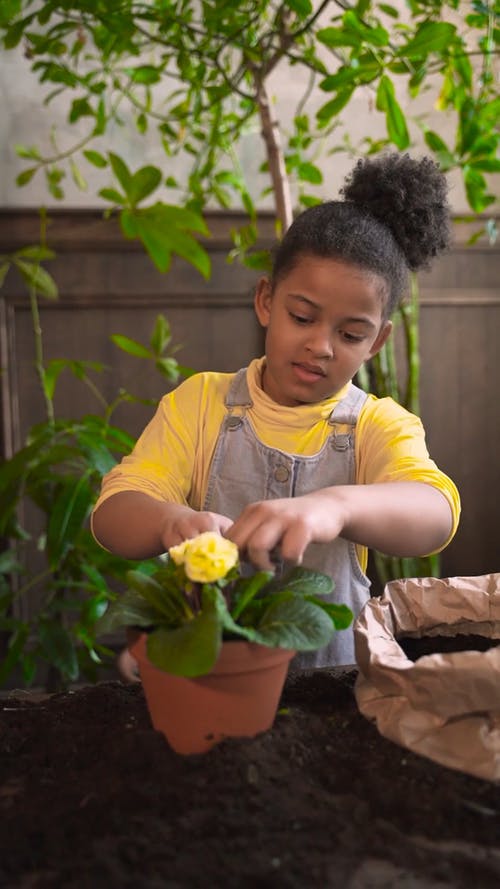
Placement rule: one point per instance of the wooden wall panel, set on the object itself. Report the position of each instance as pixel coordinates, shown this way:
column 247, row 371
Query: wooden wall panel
column 107, row 285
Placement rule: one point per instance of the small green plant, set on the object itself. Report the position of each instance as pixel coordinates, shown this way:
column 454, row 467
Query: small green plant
column 199, row 598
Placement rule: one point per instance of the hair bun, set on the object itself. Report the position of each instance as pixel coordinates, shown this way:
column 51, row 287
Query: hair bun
column 409, row 197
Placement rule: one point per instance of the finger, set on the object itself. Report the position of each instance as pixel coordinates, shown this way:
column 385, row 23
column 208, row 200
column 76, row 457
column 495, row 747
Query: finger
column 263, row 543
column 294, row 542
column 127, row 666
column 224, row 524
column 261, row 558
column 247, row 524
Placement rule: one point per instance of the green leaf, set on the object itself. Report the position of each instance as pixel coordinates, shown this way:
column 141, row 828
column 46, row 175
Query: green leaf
column 340, row 615
column 144, row 74
column 475, row 187
column 26, row 176
column 374, row 35
column 97, row 455
column 304, row 582
column 121, row 171
column 161, row 335
column 191, row 649
column 80, row 108
column 51, row 375
column 161, row 232
column 59, row 648
column 395, row 119
column 143, row 183
column 110, row 194
column 131, row 346
column 188, row 248
column 9, row 562
column 334, row 106
column 169, row 368
column 308, row 172
column 36, row 253
column 128, row 611
column 14, row 34
column 345, row 74
column 35, row 276
column 180, row 217
column 486, row 164
column 4, row 268
column 100, row 117
column 71, row 509
column 428, row 38
column 95, row 158
column 435, row 142
column 141, row 123
column 389, row 10
column 30, row 152
column 78, row 179
column 165, row 599
column 246, row 589
column 337, row 37
column 301, row 7
column 295, row 624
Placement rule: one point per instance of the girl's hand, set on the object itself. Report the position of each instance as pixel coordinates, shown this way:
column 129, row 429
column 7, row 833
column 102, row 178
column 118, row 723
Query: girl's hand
column 135, row 526
column 398, row 518
column 182, row 522
column 289, row 524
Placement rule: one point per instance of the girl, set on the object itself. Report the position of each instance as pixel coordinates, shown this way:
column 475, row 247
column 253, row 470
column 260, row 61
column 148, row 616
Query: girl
column 287, row 457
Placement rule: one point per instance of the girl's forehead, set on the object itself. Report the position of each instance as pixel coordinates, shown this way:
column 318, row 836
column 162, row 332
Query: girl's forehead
column 327, row 265
column 329, row 277
column 334, row 286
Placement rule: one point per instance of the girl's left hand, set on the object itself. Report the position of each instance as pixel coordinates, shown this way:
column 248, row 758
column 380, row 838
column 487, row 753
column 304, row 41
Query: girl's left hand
column 289, row 525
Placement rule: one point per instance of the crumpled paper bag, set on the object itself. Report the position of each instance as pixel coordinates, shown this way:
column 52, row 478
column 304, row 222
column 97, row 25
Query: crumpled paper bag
column 443, row 706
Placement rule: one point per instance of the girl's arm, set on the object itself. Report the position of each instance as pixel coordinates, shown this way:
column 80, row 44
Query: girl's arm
column 398, row 518
column 136, row 526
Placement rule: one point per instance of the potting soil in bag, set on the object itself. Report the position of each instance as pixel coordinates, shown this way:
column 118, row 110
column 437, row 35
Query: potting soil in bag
column 445, row 704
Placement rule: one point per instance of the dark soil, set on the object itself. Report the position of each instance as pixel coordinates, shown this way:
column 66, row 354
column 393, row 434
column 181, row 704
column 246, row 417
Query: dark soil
column 91, row 797
column 415, row 648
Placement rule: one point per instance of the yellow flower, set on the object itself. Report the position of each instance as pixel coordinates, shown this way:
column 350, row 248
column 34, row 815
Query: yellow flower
column 207, row 557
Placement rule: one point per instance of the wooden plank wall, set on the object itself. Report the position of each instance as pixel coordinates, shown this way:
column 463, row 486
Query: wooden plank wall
column 108, row 285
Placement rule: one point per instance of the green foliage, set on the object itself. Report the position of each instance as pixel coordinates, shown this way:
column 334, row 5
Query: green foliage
column 193, row 77
column 187, row 621
column 57, row 475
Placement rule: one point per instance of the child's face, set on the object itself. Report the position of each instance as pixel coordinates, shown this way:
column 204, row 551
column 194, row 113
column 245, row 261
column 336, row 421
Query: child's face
column 323, row 320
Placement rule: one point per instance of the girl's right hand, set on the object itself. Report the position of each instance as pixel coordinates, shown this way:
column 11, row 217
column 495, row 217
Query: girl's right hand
column 134, row 525
column 181, row 522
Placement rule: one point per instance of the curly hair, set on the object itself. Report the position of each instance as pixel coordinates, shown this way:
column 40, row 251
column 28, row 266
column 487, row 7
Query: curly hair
column 394, row 218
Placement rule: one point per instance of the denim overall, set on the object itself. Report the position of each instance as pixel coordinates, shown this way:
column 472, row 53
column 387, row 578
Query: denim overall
column 244, row 470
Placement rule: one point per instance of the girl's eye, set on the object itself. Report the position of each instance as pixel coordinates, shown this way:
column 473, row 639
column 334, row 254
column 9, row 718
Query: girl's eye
column 351, row 337
column 300, row 319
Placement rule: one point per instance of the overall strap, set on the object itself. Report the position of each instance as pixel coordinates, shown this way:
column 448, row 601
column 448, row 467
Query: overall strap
column 237, row 400
column 344, row 416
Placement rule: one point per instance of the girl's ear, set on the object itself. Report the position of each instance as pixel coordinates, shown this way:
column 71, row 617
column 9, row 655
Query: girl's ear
column 262, row 301
column 381, row 338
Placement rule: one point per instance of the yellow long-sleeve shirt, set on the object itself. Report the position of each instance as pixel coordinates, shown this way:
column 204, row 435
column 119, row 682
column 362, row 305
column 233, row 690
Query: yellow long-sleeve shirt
column 171, row 459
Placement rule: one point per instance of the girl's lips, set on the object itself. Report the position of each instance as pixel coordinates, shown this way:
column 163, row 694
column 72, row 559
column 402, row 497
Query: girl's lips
column 308, row 373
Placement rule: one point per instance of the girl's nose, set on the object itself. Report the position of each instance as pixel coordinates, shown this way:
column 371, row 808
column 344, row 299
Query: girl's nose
column 320, row 344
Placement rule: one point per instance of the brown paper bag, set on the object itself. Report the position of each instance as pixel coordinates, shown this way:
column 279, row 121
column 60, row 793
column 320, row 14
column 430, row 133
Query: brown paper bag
column 443, row 706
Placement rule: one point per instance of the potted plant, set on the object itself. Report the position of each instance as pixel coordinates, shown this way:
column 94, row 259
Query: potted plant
column 213, row 646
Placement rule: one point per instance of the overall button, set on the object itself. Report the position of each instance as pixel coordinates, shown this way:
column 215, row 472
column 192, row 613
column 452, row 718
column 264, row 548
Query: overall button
column 281, row 473
column 234, row 422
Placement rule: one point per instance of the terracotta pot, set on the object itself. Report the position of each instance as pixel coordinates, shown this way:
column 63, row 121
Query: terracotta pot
column 239, row 698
